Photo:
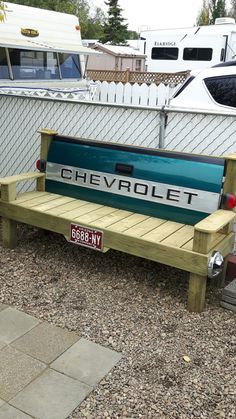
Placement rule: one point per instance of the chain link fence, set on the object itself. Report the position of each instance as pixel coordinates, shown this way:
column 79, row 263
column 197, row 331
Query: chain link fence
column 192, row 132
column 200, row 133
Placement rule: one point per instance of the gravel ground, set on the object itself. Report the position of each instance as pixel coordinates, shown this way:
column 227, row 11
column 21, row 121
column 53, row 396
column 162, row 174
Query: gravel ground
column 175, row 364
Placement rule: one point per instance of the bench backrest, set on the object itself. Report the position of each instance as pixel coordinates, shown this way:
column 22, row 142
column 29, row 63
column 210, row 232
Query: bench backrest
column 174, row 186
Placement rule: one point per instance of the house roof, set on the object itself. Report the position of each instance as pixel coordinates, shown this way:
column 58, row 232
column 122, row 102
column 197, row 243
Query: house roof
column 118, row 50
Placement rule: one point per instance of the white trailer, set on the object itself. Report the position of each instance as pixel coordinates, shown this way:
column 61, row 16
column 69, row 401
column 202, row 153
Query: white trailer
column 173, row 50
column 41, row 48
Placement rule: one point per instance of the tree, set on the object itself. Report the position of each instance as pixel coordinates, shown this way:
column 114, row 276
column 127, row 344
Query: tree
column 132, row 35
column 211, row 10
column 203, row 17
column 95, row 25
column 232, row 12
column 91, row 23
column 115, row 30
column 2, row 11
column 217, row 9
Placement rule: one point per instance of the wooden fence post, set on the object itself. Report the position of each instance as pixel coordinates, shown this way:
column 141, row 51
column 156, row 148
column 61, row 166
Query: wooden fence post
column 46, row 139
column 230, row 177
column 127, row 75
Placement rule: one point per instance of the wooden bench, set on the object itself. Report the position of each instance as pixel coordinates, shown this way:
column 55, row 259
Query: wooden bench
column 187, row 247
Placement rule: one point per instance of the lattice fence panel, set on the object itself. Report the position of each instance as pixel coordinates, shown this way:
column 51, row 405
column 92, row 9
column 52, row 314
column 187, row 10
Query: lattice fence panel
column 139, row 77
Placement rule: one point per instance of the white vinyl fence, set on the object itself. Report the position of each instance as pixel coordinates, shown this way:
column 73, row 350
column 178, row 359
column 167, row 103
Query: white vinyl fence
column 132, row 94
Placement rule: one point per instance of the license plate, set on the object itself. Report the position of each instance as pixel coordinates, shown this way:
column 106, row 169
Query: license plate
column 87, row 237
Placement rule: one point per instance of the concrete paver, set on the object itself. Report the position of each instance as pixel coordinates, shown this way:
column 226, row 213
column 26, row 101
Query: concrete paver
column 228, row 306
column 45, row 342
column 51, row 396
column 86, row 361
column 9, row 412
column 16, row 371
column 46, row 371
column 229, row 299
column 15, row 323
column 230, row 289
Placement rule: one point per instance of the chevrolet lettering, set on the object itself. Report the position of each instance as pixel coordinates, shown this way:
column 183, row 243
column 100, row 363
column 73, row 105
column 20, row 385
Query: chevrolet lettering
column 136, row 188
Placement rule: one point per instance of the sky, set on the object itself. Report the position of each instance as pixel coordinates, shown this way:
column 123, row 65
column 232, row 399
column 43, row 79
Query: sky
column 157, row 14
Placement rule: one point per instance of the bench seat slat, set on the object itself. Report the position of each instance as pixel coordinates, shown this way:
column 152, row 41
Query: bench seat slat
column 108, row 220
column 36, row 200
column 96, row 214
column 188, row 245
column 162, row 231
column 128, row 222
column 27, row 196
column 145, row 227
column 180, row 237
column 54, row 203
column 81, row 210
column 69, row 206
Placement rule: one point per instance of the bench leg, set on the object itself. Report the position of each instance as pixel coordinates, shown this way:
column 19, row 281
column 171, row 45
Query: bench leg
column 9, row 235
column 196, row 293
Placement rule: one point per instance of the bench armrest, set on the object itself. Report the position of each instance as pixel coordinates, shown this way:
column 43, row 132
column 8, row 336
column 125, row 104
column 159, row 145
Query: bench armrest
column 8, row 184
column 20, row 178
column 215, row 222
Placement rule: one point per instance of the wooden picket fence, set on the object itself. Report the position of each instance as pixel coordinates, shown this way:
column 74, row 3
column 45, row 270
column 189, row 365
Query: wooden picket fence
column 139, row 77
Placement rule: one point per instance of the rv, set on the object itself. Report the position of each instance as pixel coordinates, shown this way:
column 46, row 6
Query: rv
column 174, row 50
column 41, row 49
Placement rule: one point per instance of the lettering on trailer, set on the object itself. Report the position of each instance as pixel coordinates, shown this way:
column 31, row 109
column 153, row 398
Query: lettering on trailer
column 147, row 190
column 165, row 44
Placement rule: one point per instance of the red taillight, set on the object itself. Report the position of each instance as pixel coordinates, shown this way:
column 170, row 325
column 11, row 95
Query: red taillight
column 229, row 201
column 77, row 27
column 41, row 165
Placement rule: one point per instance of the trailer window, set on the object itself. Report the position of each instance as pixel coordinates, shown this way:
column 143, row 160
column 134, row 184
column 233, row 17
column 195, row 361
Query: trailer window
column 70, row 66
column 138, row 65
column 197, row 54
column 164, row 53
column 27, row 64
column 4, row 73
column 222, row 89
column 222, row 55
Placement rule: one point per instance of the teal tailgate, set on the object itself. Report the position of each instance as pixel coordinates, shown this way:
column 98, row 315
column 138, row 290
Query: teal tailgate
column 141, row 174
